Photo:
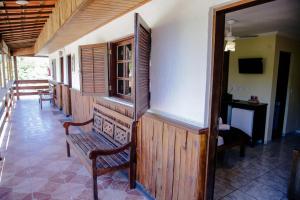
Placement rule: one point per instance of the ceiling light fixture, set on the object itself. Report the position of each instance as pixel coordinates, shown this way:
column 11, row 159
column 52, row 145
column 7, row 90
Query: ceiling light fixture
column 22, row 2
column 230, row 44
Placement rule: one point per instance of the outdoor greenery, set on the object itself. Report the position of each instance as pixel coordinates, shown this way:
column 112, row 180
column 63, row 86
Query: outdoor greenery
column 32, row 68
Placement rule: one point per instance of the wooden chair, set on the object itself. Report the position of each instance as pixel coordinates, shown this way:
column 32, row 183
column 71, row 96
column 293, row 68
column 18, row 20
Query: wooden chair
column 45, row 95
column 108, row 147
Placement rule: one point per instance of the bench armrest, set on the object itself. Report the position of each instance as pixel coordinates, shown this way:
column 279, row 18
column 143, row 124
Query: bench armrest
column 66, row 125
column 93, row 154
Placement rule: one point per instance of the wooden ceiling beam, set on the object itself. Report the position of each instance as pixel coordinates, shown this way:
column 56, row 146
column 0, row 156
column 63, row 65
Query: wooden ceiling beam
column 26, row 7
column 17, row 30
column 23, row 18
column 8, row 26
column 22, row 22
column 20, row 41
column 19, row 38
column 29, row 51
column 25, row 13
column 30, row 1
column 21, row 32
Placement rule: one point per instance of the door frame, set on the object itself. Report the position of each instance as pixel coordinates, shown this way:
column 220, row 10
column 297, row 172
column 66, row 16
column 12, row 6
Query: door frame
column 217, row 70
column 62, row 70
column 286, row 94
column 69, row 69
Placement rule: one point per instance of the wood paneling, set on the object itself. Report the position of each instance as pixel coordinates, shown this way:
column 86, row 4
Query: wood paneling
column 58, row 99
column 66, row 99
column 82, row 108
column 170, row 159
column 71, row 19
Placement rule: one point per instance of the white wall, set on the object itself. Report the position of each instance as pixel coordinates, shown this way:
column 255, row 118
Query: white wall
column 180, row 70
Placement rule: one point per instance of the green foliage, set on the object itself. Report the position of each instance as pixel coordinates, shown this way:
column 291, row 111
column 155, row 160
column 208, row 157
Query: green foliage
column 32, row 68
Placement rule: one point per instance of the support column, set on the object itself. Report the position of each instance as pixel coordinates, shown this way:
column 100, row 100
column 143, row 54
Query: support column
column 1, row 69
column 16, row 77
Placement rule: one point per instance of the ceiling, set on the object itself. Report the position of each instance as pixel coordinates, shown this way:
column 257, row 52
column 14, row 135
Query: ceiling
column 21, row 25
column 282, row 16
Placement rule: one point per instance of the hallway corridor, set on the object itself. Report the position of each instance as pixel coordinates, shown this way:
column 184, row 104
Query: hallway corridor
column 35, row 164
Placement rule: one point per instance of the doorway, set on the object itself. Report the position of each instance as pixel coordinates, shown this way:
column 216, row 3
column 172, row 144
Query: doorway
column 62, row 69
column 69, row 60
column 281, row 93
column 217, row 90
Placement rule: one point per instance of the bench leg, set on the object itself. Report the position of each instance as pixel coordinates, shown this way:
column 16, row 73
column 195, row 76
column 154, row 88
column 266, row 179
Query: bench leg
column 132, row 175
column 95, row 188
column 68, row 149
column 242, row 150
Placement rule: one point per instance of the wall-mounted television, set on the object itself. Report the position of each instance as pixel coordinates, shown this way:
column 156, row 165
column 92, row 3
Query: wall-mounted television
column 251, row 65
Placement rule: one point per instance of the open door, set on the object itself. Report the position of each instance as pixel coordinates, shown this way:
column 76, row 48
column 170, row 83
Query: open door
column 142, row 44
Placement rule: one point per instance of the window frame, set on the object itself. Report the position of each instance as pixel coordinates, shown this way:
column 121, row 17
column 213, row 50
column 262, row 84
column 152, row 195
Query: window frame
column 53, row 64
column 113, row 68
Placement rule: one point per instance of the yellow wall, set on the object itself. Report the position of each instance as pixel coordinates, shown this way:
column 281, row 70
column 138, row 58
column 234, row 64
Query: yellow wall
column 242, row 86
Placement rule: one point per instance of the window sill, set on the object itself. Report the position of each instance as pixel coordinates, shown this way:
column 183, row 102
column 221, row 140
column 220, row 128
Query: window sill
column 119, row 101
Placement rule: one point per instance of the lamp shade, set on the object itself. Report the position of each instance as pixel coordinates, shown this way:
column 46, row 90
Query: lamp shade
column 230, row 46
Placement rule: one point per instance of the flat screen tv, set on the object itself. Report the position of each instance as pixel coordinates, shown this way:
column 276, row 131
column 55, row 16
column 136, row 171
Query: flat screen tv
column 251, row 65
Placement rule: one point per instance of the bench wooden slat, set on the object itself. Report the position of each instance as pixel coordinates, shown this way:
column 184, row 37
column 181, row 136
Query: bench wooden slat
column 90, row 141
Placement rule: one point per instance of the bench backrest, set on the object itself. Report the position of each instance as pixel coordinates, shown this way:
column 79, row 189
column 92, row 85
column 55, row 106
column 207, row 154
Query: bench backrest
column 113, row 125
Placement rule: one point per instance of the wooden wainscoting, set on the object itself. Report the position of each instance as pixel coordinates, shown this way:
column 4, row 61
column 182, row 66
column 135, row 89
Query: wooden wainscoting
column 118, row 107
column 58, row 99
column 66, row 100
column 171, row 158
column 82, row 108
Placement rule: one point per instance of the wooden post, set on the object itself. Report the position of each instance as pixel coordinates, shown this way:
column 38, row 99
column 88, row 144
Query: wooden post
column 294, row 184
column 1, row 69
column 16, row 77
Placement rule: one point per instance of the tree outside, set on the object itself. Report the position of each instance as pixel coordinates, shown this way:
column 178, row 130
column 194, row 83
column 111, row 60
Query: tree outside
column 33, row 68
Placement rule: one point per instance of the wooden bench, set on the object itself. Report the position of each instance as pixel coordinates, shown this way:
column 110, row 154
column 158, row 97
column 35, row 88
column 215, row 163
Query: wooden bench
column 108, row 147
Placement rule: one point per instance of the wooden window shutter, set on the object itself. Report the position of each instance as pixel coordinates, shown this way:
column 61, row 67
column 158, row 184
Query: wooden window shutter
column 93, row 69
column 142, row 67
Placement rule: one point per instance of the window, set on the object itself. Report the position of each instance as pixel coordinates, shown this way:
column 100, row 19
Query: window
column 127, row 71
column 121, row 69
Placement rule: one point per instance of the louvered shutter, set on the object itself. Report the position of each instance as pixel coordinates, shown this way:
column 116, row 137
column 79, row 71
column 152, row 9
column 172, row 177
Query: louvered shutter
column 142, row 67
column 93, row 64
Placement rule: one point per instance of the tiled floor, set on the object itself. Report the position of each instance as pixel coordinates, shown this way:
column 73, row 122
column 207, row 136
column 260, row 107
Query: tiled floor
column 262, row 175
column 35, row 164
